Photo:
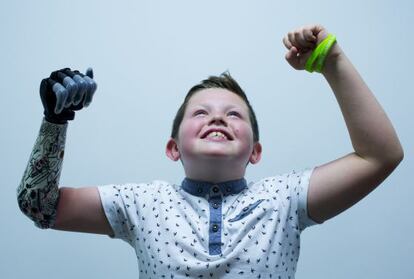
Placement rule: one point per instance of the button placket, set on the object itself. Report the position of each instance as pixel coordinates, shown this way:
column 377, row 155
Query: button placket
column 215, row 200
column 215, row 189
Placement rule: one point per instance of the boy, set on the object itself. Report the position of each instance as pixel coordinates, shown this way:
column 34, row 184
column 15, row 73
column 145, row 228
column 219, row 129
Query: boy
column 214, row 225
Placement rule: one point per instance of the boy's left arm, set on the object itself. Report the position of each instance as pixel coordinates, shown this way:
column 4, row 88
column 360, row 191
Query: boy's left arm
column 337, row 185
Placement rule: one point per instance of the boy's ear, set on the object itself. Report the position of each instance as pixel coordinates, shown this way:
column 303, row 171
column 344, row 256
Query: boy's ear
column 256, row 153
column 172, row 150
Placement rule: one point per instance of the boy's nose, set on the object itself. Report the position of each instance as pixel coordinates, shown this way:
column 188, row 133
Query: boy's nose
column 218, row 120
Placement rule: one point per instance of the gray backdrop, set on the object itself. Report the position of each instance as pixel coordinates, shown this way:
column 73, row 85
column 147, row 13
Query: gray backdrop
column 146, row 55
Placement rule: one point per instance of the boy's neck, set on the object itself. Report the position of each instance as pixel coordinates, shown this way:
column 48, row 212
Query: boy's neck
column 214, row 173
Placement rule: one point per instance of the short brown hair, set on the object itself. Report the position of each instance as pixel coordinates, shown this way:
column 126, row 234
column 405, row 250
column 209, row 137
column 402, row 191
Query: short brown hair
column 225, row 81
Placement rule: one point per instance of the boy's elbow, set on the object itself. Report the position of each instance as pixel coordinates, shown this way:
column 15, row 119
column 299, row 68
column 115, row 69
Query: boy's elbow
column 401, row 157
column 398, row 156
column 41, row 210
column 391, row 158
column 22, row 201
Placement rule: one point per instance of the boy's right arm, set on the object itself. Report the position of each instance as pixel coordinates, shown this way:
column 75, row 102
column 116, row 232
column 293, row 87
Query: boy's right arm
column 38, row 195
column 80, row 210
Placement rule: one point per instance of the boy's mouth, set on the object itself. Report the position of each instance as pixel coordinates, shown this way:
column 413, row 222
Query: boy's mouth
column 216, row 134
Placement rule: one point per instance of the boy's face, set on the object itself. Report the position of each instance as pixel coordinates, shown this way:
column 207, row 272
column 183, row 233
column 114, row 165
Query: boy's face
column 215, row 127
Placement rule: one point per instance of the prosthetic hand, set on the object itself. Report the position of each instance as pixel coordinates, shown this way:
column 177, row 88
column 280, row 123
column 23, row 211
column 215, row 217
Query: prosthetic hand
column 65, row 92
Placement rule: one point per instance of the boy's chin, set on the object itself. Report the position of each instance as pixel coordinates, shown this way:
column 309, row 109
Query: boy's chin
column 216, row 155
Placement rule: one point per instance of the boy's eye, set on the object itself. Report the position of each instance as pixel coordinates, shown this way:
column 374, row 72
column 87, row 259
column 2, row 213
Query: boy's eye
column 200, row 112
column 234, row 113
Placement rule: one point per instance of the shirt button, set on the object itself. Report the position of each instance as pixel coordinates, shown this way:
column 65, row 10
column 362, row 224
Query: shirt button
column 228, row 189
column 215, row 228
column 215, row 205
column 216, row 189
column 245, row 209
column 199, row 190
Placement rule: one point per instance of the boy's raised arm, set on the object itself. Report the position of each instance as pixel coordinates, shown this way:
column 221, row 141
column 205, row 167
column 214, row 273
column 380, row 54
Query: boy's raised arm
column 38, row 194
column 337, row 185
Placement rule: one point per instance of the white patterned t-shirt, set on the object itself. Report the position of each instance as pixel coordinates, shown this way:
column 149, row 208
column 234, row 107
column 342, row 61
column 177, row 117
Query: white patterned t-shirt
column 204, row 230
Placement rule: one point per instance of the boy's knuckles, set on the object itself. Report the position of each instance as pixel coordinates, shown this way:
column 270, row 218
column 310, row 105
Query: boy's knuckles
column 308, row 35
column 299, row 37
column 286, row 42
column 291, row 38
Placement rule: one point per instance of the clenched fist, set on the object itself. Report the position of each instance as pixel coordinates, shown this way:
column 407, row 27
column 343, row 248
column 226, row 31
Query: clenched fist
column 65, row 92
column 302, row 41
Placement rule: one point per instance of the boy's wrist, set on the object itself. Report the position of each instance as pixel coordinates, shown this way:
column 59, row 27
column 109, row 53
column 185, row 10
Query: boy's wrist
column 46, row 121
column 334, row 56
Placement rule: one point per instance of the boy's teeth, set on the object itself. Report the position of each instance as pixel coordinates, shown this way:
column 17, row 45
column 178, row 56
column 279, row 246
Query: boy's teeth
column 216, row 134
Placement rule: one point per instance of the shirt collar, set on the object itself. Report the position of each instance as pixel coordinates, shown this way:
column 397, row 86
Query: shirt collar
column 202, row 188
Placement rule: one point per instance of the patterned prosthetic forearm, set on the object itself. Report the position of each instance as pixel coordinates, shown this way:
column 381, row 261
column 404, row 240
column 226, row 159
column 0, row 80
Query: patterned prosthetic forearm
column 38, row 192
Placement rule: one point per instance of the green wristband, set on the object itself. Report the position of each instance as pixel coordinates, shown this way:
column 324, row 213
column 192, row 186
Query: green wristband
column 314, row 56
column 320, row 62
column 318, row 56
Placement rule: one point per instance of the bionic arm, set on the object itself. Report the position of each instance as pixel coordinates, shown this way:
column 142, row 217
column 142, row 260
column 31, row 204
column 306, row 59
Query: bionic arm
column 62, row 94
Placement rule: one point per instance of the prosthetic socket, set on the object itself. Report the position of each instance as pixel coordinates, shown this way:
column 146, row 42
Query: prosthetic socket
column 38, row 192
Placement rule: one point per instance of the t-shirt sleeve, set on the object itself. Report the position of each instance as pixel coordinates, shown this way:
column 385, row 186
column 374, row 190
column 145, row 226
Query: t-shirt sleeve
column 301, row 181
column 118, row 202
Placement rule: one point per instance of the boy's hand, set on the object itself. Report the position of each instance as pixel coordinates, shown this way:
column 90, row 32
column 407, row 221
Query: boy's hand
column 64, row 92
column 301, row 42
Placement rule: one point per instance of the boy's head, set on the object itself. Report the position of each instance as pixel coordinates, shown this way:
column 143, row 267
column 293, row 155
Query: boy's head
column 215, row 132
column 224, row 81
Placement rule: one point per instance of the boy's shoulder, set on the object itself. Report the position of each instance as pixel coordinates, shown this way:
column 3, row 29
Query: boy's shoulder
column 287, row 182
column 151, row 187
column 286, row 177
